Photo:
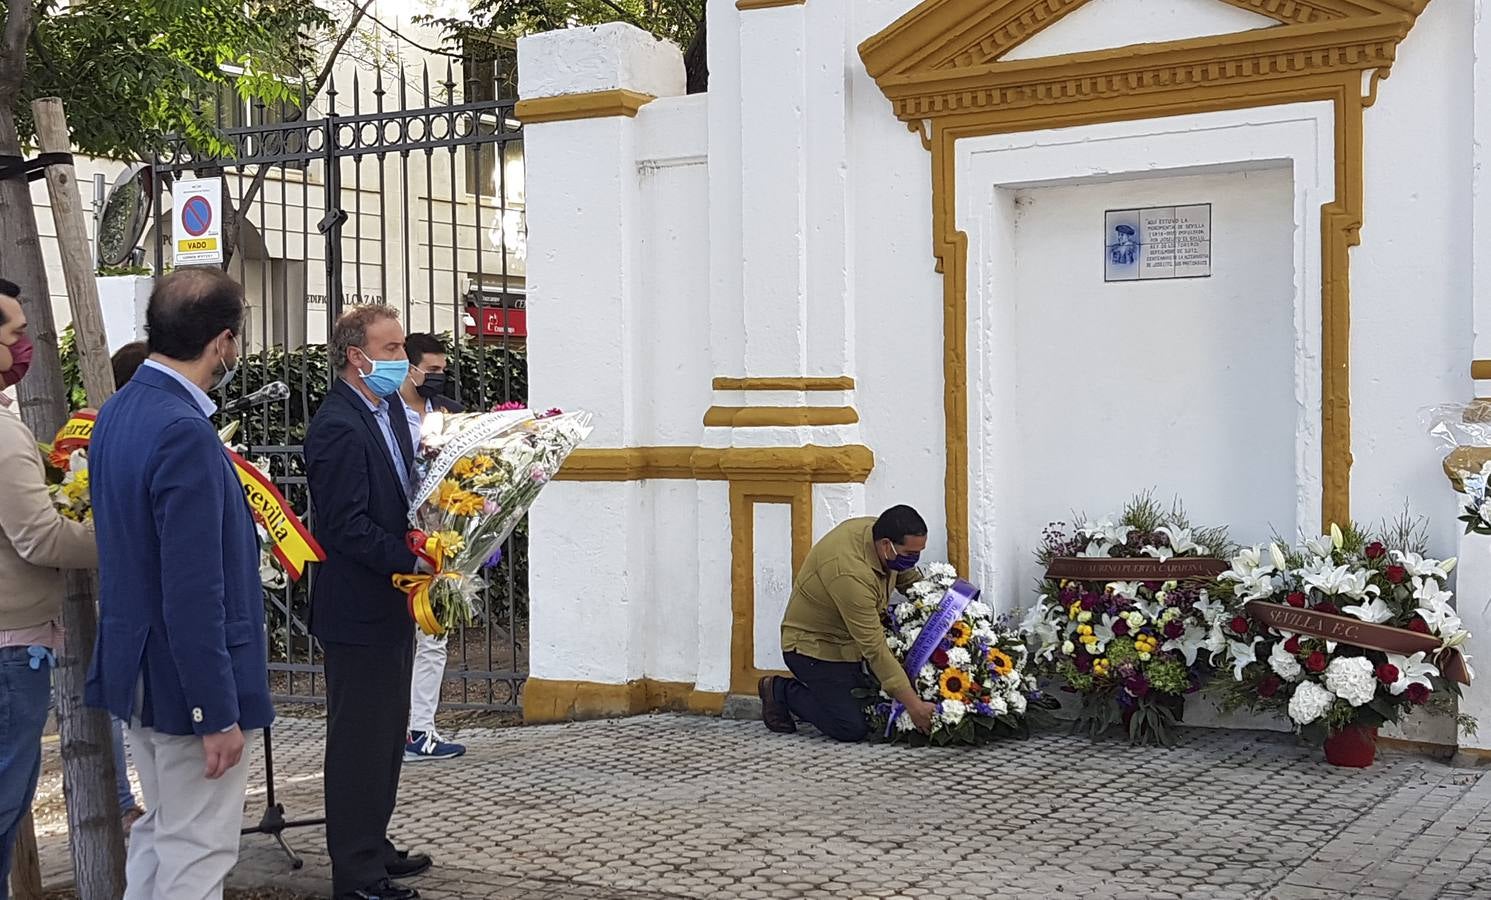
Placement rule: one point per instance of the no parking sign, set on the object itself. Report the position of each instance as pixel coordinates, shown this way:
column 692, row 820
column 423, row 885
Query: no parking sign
column 198, row 222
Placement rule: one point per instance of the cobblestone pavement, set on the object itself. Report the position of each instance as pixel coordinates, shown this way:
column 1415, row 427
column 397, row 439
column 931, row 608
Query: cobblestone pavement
column 670, row 807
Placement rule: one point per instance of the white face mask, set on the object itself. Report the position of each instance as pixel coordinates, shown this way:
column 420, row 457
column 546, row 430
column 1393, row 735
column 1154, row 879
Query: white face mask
column 224, row 373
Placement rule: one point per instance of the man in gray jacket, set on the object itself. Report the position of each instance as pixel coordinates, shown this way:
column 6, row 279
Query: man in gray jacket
column 36, row 542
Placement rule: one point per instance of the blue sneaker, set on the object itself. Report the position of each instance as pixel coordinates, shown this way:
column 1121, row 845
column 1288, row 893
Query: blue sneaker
column 423, row 745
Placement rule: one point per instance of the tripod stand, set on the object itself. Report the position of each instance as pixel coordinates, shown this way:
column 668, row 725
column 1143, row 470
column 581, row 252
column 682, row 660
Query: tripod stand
column 273, row 822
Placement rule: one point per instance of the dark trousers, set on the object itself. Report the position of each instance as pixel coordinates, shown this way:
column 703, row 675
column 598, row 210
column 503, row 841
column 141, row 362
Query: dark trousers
column 822, row 693
column 367, row 718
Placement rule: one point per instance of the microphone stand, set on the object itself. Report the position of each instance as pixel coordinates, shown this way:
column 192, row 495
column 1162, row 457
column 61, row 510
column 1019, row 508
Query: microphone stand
column 273, row 821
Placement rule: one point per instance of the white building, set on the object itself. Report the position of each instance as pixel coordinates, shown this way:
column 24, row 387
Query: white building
column 879, row 261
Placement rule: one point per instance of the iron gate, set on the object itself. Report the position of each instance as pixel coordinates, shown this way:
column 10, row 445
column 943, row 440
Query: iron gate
column 395, row 191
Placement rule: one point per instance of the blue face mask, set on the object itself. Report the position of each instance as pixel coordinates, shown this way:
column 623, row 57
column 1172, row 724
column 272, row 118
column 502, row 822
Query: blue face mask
column 386, row 376
column 903, row 562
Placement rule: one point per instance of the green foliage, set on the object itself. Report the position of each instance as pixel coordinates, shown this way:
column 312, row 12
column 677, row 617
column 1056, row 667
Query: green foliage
column 1169, row 676
column 131, row 71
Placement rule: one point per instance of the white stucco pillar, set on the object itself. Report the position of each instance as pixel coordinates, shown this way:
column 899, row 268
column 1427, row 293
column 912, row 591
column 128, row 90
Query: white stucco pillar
column 1473, row 579
column 590, row 550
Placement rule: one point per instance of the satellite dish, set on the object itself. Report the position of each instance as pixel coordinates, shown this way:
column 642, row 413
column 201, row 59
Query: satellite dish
column 126, row 211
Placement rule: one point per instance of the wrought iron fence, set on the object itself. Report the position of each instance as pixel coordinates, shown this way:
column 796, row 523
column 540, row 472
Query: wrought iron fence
column 397, row 190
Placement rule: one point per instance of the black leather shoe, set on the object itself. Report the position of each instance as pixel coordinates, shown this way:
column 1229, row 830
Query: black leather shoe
column 407, row 865
column 774, row 712
column 383, row 890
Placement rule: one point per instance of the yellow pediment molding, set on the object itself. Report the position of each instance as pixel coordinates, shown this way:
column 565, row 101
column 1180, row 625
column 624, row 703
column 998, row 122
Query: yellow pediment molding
column 943, row 58
column 941, row 67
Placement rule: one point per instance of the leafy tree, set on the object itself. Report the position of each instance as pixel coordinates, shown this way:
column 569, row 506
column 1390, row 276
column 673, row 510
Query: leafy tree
column 680, row 21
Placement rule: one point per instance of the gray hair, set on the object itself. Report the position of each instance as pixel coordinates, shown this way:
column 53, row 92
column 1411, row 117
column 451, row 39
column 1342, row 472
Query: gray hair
column 351, row 330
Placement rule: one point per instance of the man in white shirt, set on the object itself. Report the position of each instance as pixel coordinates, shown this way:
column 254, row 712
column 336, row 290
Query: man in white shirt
column 423, row 392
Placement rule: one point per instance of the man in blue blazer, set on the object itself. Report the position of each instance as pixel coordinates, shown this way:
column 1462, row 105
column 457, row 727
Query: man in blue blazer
column 359, row 459
column 181, row 652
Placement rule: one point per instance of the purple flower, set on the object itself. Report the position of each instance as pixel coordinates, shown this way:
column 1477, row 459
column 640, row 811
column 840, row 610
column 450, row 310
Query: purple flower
column 983, row 709
column 1137, row 685
column 494, row 560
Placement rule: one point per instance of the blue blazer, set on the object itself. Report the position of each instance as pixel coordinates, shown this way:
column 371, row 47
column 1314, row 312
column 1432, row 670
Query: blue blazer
column 180, row 600
column 361, row 517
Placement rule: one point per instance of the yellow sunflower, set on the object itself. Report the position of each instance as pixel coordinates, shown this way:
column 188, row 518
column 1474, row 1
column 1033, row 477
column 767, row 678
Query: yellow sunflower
column 955, row 683
column 465, row 503
column 1000, row 662
column 446, row 495
column 960, row 634
column 482, row 463
column 463, row 468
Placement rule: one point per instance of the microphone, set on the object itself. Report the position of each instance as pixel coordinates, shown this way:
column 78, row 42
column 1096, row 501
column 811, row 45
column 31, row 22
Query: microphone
column 269, row 393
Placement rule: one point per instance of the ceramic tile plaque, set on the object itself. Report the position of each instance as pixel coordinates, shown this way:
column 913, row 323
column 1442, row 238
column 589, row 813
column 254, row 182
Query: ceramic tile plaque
column 1158, row 242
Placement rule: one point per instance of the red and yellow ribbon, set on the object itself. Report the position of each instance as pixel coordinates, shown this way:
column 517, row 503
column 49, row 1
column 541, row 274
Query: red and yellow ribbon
column 294, row 546
column 73, row 435
column 416, row 587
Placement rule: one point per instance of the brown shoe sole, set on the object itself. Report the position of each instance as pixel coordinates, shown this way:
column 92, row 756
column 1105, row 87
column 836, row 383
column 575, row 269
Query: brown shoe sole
column 782, row 722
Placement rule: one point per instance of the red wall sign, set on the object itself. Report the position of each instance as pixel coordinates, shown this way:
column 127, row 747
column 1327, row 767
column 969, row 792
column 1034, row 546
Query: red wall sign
column 495, row 321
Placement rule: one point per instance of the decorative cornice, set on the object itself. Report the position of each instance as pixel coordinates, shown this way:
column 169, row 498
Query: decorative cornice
column 593, row 105
column 811, row 463
column 835, row 383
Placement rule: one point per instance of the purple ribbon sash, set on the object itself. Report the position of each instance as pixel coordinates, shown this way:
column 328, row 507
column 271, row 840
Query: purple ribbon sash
column 948, row 611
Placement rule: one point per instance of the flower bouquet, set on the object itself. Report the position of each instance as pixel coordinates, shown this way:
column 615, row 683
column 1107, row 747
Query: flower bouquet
column 1344, row 633
column 1464, row 431
column 959, row 656
column 478, row 475
column 1127, row 616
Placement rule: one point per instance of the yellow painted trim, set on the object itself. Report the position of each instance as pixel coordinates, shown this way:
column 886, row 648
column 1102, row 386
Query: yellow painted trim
column 593, row 105
column 743, row 500
column 844, row 383
column 810, row 464
column 766, row 4
column 778, row 416
column 546, row 700
column 1422, row 748
column 939, row 66
column 1480, row 369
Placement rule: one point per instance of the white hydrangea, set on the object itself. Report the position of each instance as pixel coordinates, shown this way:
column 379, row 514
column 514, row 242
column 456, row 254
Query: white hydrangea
column 998, row 704
column 903, row 721
column 904, row 611
column 1310, row 701
column 941, row 570
column 1284, row 664
column 1017, row 702
column 959, row 658
column 929, row 672
column 953, row 711
column 978, row 609
column 1351, row 678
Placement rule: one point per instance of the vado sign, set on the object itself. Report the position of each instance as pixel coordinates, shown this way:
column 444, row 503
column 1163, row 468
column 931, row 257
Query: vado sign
column 197, row 222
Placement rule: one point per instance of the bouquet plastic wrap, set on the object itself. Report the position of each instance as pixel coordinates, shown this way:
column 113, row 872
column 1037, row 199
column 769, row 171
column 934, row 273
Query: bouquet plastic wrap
column 478, row 475
column 1463, row 431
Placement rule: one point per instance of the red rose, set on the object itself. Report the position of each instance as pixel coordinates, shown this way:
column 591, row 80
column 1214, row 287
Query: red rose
column 939, row 658
column 1292, row 645
column 1387, row 673
column 1296, row 599
column 1375, row 550
column 1269, row 686
column 1325, row 606
column 1240, row 625
column 1417, row 694
column 1418, row 625
column 1316, row 662
column 1396, row 574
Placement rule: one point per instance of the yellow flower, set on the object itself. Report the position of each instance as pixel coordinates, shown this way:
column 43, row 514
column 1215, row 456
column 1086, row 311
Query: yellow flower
column 960, row 634
column 482, row 463
column 954, row 683
column 1000, row 662
column 451, row 543
column 446, row 495
column 465, row 503
column 462, row 468
column 1074, row 609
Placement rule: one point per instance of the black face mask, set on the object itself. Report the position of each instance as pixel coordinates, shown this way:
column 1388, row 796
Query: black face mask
column 433, row 386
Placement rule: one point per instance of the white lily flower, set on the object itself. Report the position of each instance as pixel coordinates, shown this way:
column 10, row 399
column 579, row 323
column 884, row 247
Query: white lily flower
column 1097, row 548
column 1374, row 611
column 1411, row 670
column 1181, row 540
column 1159, row 553
column 1258, row 586
column 1441, row 619
column 1190, row 641
column 1128, row 590
column 1242, row 655
column 1319, row 547
column 1216, row 641
column 1340, row 580
column 1103, row 631
column 1153, row 610
column 1277, row 555
column 1420, row 567
column 1210, row 610
column 1245, row 564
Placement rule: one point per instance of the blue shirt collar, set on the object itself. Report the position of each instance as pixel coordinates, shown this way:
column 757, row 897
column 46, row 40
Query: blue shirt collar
column 203, row 401
column 380, row 406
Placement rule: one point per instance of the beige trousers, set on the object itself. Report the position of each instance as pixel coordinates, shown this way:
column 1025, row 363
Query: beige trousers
column 187, row 843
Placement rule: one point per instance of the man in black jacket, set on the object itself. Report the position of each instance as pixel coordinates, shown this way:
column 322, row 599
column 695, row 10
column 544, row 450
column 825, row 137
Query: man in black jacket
column 360, row 466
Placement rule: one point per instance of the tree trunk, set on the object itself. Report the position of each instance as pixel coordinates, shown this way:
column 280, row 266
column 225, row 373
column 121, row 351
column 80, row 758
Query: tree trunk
column 696, row 59
column 88, row 777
